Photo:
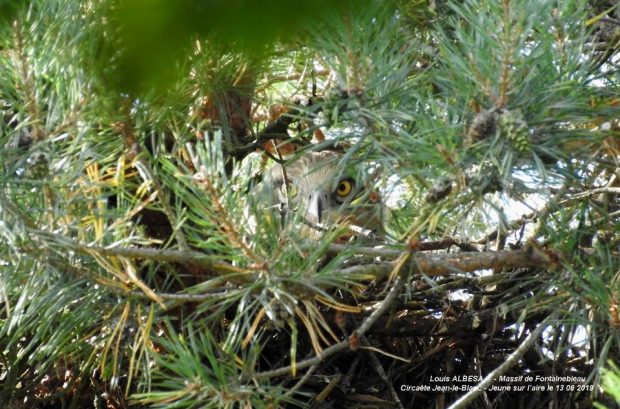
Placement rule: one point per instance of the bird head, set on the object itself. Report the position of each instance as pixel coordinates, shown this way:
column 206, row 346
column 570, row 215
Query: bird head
column 329, row 192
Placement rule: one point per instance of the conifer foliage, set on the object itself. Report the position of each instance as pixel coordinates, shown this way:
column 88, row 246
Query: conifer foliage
column 142, row 265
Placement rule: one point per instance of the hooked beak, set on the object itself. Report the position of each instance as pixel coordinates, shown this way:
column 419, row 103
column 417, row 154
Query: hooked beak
column 318, row 202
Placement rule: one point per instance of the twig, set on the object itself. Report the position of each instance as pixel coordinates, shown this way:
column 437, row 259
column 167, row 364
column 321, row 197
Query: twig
column 376, row 251
column 343, row 345
column 186, row 297
column 596, row 191
column 551, row 206
column 277, row 129
column 422, row 323
column 288, row 77
column 512, row 359
column 346, row 380
column 302, row 381
column 376, row 364
column 466, row 282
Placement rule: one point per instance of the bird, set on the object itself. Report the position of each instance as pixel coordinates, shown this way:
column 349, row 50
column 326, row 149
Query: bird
column 327, row 191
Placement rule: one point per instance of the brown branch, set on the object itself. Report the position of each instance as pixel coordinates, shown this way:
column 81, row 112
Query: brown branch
column 302, row 381
column 445, row 264
column 419, row 319
column 552, row 205
column 431, row 265
column 461, row 326
column 596, row 191
column 336, row 248
column 184, row 297
column 277, row 129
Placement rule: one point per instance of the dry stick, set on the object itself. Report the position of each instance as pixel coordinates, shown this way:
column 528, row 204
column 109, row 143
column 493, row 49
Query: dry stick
column 346, row 380
column 288, row 77
column 376, row 364
column 552, row 205
column 343, row 345
column 469, row 397
column 302, row 381
column 596, row 191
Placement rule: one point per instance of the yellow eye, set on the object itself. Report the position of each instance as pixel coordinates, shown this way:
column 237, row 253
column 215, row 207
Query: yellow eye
column 344, row 188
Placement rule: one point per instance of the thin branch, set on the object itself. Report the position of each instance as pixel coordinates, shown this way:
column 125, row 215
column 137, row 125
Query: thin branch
column 289, row 77
column 302, row 381
column 277, row 129
column 551, row 206
column 376, row 364
column 380, row 251
column 343, row 345
column 421, row 322
column 182, row 297
column 593, row 192
column 512, row 359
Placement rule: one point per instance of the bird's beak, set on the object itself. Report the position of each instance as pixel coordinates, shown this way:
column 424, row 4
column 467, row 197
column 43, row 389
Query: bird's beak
column 317, row 205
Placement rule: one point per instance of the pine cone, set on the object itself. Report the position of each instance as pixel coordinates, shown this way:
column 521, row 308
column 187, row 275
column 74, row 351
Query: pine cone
column 483, row 126
column 514, row 129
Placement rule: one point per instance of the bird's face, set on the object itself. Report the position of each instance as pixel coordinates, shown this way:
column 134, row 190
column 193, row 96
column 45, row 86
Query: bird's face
column 329, row 193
